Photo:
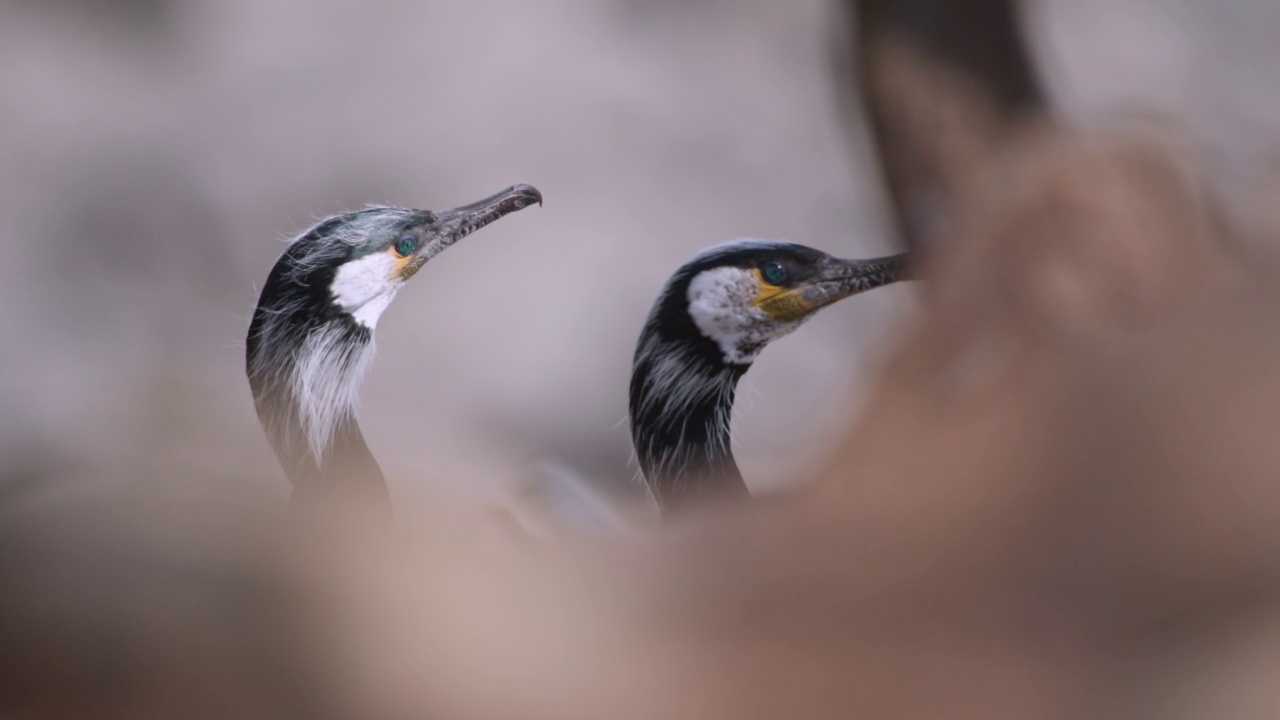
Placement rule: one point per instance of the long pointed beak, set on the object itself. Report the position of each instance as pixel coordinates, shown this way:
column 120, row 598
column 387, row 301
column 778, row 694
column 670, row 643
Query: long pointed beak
column 516, row 197
column 453, row 225
column 842, row 278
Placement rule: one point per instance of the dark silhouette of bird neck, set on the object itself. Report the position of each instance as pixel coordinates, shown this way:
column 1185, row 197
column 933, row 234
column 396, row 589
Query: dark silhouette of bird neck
column 682, row 394
column 347, row 470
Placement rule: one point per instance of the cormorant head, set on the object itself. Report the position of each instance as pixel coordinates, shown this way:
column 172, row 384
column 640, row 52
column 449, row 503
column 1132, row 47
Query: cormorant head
column 352, row 265
column 738, row 297
column 711, row 320
column 312, row 333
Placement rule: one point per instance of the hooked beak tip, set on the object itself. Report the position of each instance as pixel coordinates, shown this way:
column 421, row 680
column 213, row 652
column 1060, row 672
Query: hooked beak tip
column 462, row 221
column 525, row 195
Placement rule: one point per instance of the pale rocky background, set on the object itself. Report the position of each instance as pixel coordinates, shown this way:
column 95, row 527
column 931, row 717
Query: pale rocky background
column 154, row 153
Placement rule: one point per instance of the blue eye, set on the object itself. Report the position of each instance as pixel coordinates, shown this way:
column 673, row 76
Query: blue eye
column 406, row 245
column 773, row 273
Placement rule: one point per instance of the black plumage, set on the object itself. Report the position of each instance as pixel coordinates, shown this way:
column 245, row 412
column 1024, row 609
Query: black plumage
column 712, row 318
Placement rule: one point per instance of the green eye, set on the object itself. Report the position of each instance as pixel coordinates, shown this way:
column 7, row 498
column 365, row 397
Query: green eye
column 773, row 273
column 406, row 245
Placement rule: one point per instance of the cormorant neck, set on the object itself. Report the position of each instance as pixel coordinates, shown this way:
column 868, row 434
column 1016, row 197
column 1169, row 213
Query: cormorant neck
column 305, row 374
column 345, row 471
column 682, row 395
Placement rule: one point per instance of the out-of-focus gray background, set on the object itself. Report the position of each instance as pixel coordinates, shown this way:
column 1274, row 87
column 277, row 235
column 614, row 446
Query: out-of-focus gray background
column 155, row 153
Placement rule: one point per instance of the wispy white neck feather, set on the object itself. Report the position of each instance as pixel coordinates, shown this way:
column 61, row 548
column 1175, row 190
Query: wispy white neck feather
column 325, row 383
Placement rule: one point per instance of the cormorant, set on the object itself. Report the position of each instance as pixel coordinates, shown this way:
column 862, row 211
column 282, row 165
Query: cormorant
column 311, row 337
column 711, row 320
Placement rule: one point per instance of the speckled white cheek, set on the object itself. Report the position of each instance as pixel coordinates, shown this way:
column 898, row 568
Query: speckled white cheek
column 365, row 288
column 720, row 305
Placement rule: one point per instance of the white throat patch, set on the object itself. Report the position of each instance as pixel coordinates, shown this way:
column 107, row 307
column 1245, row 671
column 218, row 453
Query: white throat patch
column 720, row 305
column 365, row 287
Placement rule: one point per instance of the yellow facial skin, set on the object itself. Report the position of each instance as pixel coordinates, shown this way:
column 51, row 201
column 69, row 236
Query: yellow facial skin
column 783, row 304
column 406, row 265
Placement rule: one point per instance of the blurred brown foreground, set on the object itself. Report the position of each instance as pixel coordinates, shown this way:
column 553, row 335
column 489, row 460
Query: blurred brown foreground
column 1061, row 502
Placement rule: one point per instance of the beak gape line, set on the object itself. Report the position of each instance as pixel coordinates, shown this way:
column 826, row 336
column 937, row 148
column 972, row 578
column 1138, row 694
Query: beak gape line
column 836, row 280
column 785, row 306
column 412, row 267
